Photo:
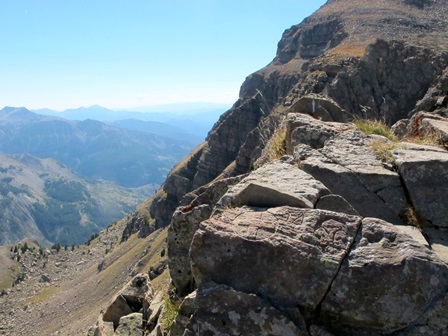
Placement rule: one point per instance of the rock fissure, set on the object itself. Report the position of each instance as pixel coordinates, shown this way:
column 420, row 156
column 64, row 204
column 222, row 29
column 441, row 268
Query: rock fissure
column 319, row 306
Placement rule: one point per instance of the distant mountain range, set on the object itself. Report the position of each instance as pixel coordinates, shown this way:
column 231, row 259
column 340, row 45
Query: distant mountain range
column 64, row 175
column 194, row 118
column 43, row 200
column 129, row 153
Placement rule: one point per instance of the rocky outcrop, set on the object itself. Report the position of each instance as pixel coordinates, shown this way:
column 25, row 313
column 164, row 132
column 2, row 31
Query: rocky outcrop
column 348, row 270
column 340, row 157
column 386, row 282
column 318, row 239
column 366, row 62
column 424, row 172
column 280, row 252
column 275, row 184
column 224, row 311
column 129, row 310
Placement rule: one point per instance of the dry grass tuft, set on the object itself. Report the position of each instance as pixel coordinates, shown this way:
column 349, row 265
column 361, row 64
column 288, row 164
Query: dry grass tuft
column 383, row 151
column 413, row 218
column 374, row 127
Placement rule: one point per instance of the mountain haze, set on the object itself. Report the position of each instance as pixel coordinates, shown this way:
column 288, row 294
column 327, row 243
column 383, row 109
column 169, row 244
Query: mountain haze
column 93, row 149
column 41, row 199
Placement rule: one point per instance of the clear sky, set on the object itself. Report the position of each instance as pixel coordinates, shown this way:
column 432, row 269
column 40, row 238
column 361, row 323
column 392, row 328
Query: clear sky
column 64, row 54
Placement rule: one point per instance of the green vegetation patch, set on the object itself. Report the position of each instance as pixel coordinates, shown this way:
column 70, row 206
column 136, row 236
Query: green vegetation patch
column 66, row 191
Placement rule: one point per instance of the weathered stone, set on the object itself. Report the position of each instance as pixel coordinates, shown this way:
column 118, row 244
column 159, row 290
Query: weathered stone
column 211, row 193
column 385, row 283
column 116, row 310
column 184, row 224
column 136, row 295
column 304, row 129
column 286, row 255
column 424, row 172
column 432, row 323
column 347, row 166
column 224, row 311
column 131, row 324
column 320, row 107
column 425, row 124
column 438, row 239
column 275, row 184
column 336, row 203
column 400, row 128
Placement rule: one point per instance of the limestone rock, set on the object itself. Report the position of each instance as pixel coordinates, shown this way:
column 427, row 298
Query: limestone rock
column 336, row 203
column 184, row 224
column 224, row 311
column 400, row 128
column 131, row 324
column 348, row 167
column 287, row 255
column 304, row 129
column 425, row 124
column 136, row 295
column 320, row 107
column 432, row 323
column 423, row 170
column 275, row 184
column 386, row 282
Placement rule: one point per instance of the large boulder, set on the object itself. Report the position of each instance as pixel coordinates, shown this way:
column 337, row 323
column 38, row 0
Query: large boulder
column 134, row 297
column 287, row 255
column 424, row 172
column 220, row 310
column 387, row 281
column 131, row 324
column 275, row 184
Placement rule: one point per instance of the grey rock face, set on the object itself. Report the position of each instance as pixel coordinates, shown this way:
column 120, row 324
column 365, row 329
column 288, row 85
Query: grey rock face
column 347, row 166
column 225, row 311
column 320, row 107
column 136, row 295
column 286, row 254
column 184, row 224
column 275, row 184
column 424, row 172
column 386, row 282
column 131, row 324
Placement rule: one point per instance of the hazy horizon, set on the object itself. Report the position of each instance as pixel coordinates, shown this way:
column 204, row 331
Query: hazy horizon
column 130, row 54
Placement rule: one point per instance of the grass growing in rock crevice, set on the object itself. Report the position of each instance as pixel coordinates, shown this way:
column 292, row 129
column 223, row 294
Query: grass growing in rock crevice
column 413, row 218
column 369, row 127
column 383, row 152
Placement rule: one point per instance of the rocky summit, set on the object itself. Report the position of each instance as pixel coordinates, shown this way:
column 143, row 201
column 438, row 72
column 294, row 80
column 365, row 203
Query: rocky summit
column 317, row 204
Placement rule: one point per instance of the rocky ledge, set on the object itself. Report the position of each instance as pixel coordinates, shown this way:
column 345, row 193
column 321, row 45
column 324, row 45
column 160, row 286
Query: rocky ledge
column 319, row 242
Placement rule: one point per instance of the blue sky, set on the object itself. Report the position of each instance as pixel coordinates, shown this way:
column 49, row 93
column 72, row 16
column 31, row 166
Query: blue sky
column 127, row 53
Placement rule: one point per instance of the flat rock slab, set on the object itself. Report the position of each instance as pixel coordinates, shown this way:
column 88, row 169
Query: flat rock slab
column 223, row 311
column 424, row 170
column 275, row 184
column 387, row 281
column 288, row 255
column 348, row 167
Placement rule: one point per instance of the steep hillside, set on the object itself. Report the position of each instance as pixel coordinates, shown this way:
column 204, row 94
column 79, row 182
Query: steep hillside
column 43, row 200
column 93, row 149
